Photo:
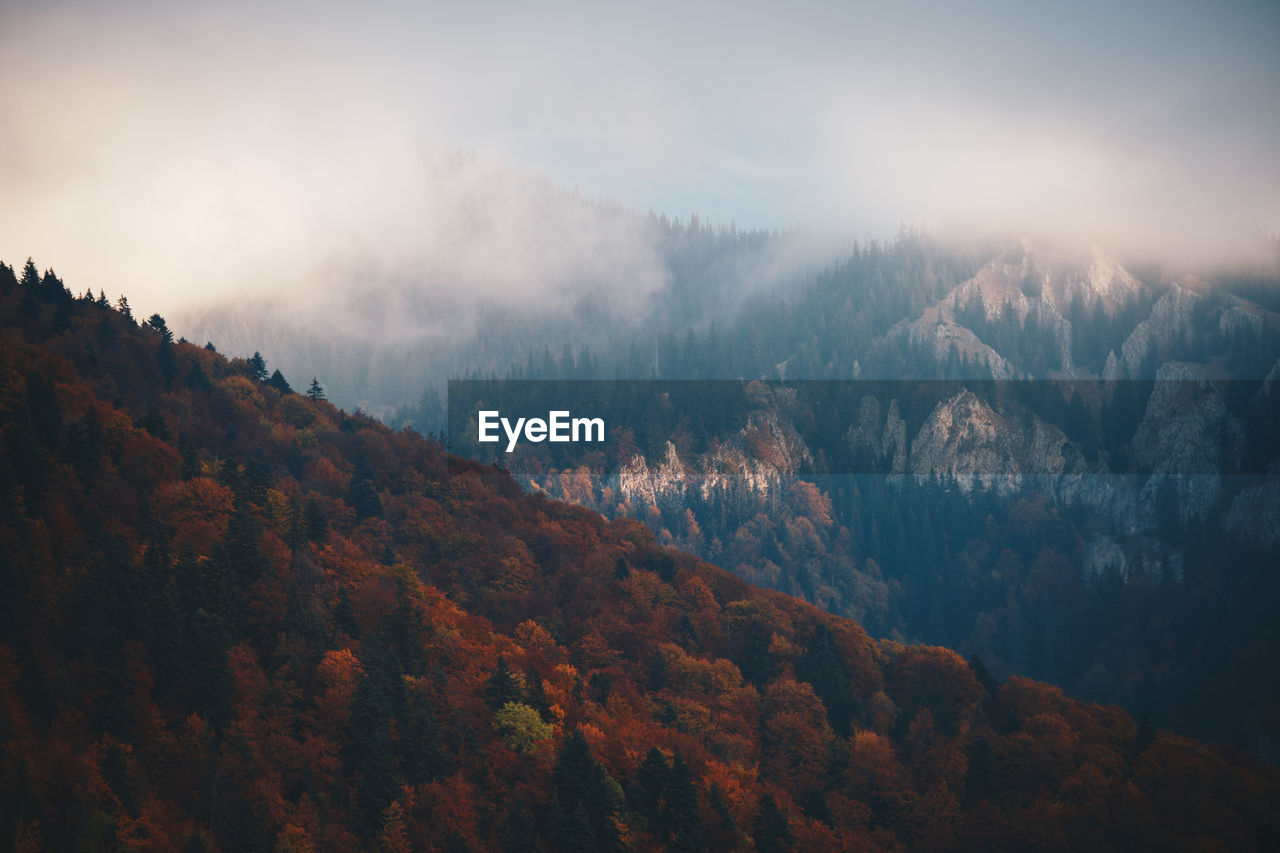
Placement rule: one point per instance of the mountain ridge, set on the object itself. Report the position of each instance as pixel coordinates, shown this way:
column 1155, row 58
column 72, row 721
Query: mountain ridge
column 238, row 618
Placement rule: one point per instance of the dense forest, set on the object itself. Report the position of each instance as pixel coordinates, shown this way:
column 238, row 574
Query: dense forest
column 1145, row 597
column 1124, row 586
column 239, row 618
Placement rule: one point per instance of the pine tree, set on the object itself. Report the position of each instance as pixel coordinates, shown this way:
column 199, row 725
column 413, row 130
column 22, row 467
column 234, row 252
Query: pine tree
column 680, row 812
column 502, row 687
column 258, row 367
column 30, row 276
column 581, row 782
column 371, row 755
column 190, row 461
column 519, row 830
column 156, row 322
column 315, row 392
column 315, row 523
column 823, row 666
column 278, row 382
column 362, row 495
column 772, row 831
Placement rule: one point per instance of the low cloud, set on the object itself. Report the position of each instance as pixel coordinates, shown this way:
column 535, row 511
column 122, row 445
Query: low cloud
column 219, row 152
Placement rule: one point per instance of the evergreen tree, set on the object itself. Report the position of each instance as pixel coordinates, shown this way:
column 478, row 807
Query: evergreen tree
column 190, row 461
column 315, row 392
column 502, row 686
column 362, row 495
column 44, row 409
column 157, row 323
column 680, row 819
column 84, row 444
column 371, row 756
column 984, row 676
column 314, row 522
column 581, row 782
column 258, row 367
column 575, row 834
column 165, row 358
column 519, row 831
column 772, row 831
column 652, row 778
column 823, row 666
column 197, row 379
column 30, row 276
column 278, row 382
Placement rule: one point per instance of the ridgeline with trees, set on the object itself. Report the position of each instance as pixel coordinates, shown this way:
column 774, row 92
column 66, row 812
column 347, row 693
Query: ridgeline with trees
column 237, row 618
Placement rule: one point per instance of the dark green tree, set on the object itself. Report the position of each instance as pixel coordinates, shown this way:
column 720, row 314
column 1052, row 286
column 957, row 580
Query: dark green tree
column 190, row 461
column 370, row 757
column 681, row 821
column 84, row 445
column 502, row 686
column 315, row 524
column 278, row 382
column 772, row 830
column 519, row 831
column 362, row 495
column 30, row 276
column 157, row 323
column 823, row 667
column 258, row 367
column 582, row 782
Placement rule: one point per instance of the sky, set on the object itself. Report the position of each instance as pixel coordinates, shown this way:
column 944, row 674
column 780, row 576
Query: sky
column 196, row 151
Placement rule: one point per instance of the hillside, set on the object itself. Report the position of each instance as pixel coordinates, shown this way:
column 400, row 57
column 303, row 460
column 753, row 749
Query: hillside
column 237, row 618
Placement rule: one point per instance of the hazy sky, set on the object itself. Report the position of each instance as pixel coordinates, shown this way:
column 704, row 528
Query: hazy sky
column 181, row 150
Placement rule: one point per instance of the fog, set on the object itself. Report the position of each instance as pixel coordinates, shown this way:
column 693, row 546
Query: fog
column 187, row 153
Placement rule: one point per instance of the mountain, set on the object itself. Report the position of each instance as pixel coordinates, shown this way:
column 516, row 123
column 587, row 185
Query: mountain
column 1143, row 564
column 1165, row 569
column 1022, row 286
column 236, row 618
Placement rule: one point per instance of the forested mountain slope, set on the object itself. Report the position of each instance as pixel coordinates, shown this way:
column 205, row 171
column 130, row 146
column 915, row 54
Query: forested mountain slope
column 233, row 617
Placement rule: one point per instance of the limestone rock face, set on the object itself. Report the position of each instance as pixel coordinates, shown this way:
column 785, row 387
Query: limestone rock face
column 879, row 438
column 1254, row 511
column 966, row 440
column 662, row 483
column 1169, row 322
column 1035, row 284
column 1186, row 428
column 746, row 468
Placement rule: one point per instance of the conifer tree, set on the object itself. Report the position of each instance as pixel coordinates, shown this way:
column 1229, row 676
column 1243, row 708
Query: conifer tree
column 278, row 382
column 772, row 831
column 30, row 276
column 581, row 782
column 156, row 322
column 258, row 367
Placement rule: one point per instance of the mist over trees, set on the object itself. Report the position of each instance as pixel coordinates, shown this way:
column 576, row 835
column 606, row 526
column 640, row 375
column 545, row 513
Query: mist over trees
column 237, row 618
